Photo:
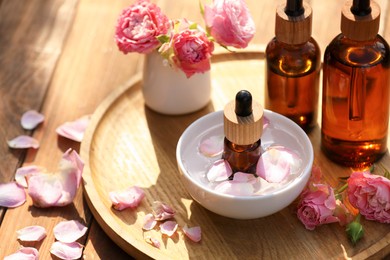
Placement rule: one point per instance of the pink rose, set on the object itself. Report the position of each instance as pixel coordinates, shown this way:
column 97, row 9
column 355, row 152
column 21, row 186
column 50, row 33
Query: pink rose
column 371, row 195
column 138, row 26
column 192, row 51
column 230, row 22
column 317, row 207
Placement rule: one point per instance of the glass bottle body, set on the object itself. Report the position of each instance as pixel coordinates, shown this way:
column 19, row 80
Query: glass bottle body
column 355, row 102
column 242, row 158
column 292, row 80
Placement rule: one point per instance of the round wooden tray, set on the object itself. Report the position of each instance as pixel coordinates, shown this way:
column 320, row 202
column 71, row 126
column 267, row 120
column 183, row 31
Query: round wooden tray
column 127, row 144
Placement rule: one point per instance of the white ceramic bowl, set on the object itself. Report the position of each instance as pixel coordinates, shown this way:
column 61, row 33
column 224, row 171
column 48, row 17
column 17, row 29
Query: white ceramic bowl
column 283, row 132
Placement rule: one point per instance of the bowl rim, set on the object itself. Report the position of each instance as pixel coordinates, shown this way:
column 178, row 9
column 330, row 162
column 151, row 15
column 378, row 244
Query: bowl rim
column 306, row 171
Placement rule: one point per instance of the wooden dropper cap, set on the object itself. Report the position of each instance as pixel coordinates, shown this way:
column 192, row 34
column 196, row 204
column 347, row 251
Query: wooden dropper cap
column 360, row 20
column 243, row 119
column 293, row 22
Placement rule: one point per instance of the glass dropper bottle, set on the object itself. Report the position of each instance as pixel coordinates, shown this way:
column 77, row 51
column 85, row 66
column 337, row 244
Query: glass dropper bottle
column 293, row 63
column 243, row 127
column 356, row 82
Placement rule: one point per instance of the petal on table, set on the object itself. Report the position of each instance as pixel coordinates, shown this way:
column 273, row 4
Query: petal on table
column 149, row 222
column 211, row 146
column 24, row 253
column 193, row 233
column 168, row 227
column 74, row 130
column 162, row 211
column 31, row 119
column 11, row 195
column 129, row 198
column 63, row 250
column 57, row 189
column 219, row 171
column 69, row 231
column 23, row 172
column 76, row 164
column 22, row 142
column 31, row 233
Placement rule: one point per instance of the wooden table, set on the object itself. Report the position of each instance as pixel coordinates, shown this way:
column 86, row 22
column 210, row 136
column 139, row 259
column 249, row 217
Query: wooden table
column 59, row 57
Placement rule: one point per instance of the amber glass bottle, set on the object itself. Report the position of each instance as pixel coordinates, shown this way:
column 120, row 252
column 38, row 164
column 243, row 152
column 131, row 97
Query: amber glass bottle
column 356, row 82
column 293, row 63
column 243, row 126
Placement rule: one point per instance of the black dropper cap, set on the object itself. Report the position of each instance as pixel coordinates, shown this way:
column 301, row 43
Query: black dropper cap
column 294, row 8
column 361, row 7
column 243, row 105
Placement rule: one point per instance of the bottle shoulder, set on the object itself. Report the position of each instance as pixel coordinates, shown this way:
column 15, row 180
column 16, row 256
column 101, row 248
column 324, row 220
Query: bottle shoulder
column 294, row 60
column 275, row 47
column 358, row 53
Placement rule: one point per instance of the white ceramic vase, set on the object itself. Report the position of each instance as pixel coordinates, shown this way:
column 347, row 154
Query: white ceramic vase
column 168, row 91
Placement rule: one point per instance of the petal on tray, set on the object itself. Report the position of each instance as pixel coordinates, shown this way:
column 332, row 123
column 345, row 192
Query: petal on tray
column 63, row 250
column 153, row 241
column 31, row 119
column 31, row 233
column 168, row 227
column 149, row 222
column 11, row 195
column 23, row 141
column 29, row 253
column 74, row 130
column 162, row 211
column 57, row 189
column 193, row 233
column 129, row 198
column 69, row 231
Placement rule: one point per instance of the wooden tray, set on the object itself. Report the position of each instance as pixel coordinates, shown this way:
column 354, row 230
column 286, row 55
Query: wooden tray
column 127, row 144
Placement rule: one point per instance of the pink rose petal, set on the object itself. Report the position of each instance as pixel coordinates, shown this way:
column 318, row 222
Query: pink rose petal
column 211, row 146
column 219, row 171
column 149, row 222
column 31, row 119
column 58, row 189
column 69, row 231
column 193, row 233
column 235, row 188
column 24, row 253
column 129, row 198
column 168, row 227
column 22, row 172
column 162, row 211
column 31, row 233
column 76, row 164
column 22, row 142
column 11, row 195
column 153, row 241
column 274, row 165
column 67, row 250
column 244, row 177
column 265, row 122
column 74, row 130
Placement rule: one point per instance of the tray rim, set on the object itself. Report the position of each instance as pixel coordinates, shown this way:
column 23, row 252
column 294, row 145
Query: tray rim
column 99, row 113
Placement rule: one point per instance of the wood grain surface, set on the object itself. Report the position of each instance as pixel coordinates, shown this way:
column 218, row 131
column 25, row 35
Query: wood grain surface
column 59, row 57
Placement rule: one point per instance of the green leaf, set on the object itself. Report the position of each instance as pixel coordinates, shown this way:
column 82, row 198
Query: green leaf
column 355, row 230
column 163, row 38
column 193, row 26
